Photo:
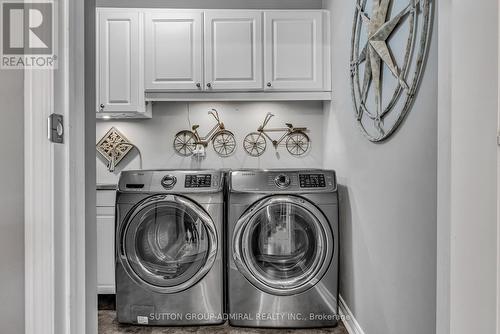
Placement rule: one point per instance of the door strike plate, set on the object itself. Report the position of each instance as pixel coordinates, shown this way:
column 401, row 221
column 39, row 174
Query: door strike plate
column 56, row 128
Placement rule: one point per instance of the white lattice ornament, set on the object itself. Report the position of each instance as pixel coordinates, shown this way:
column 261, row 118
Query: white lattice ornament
column 109, row 145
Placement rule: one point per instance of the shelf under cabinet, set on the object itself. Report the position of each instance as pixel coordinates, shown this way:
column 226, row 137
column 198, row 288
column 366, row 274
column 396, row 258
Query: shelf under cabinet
column 238, row 96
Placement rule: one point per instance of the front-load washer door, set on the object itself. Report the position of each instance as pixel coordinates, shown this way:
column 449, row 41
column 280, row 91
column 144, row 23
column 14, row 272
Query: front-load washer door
column 283, row 245
column 168, row 243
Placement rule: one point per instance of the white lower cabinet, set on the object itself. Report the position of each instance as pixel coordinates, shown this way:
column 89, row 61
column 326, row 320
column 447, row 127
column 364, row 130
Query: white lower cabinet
column 105, row 242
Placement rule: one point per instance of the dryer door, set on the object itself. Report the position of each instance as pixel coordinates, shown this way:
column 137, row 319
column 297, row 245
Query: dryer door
column 168, row 243
column 283, row 245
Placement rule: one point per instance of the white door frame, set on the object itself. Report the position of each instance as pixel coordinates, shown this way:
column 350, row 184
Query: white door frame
column 58, row 286
column 468, row 236
column 498, row 187
column 39, row 216
column 444, row 166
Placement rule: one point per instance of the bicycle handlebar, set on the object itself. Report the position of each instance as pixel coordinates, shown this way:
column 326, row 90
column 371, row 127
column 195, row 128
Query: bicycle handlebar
column 267, row 119
column 215, row 114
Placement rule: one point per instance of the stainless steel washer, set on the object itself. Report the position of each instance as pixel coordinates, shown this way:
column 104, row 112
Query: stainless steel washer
column 169, row 267
column 283, row 248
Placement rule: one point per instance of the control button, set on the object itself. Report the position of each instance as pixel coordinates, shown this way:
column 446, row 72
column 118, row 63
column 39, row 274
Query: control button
column 169, row 181
column 282, row 181
column 312, row 181
column 198, row 181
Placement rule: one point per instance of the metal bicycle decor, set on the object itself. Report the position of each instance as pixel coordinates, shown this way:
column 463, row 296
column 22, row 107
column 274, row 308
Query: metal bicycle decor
column 378, row 25
column 223, row 141
column 297, row 142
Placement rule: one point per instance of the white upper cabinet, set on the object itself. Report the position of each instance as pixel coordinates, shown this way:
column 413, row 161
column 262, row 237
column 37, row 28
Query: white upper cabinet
column 233, row 50
column 209, row 55
column 120, row 86
column 173, row 50
column 294, row 52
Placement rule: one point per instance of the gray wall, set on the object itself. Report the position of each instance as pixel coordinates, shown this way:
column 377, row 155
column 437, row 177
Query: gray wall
column 207, row 4
column 155, row 136
column 12, row 202
column 388, row 218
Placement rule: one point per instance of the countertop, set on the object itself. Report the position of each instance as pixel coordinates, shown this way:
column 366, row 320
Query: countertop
column 106, row 186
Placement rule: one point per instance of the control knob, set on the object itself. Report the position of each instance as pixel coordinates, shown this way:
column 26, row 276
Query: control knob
column 282, row 181
column 169, row 181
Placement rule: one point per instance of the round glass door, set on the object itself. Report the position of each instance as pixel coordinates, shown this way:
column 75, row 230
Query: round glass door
column 169, row 243
column 283, row 245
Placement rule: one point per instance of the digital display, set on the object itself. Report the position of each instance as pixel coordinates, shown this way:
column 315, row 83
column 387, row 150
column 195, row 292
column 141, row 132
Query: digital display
column 198, row 181
column 312, row 180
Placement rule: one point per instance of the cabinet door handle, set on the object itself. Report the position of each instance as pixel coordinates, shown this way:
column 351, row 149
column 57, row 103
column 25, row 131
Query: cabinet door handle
column 269, row 84
column 198, row 85
column 101, row 107
column 209, row 85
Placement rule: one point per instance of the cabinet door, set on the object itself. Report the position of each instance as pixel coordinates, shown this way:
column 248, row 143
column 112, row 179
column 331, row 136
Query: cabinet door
column 293, row 50
column 105, row 250
column 233, row 50
column 119, row 62
column 173, row 50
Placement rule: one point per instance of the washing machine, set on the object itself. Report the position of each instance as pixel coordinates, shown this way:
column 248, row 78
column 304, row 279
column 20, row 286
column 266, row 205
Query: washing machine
column 283, row 248
column 169, row 267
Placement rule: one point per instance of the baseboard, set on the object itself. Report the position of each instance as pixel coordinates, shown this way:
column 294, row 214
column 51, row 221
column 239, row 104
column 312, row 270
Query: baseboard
column 106, row 289
column 348, row 319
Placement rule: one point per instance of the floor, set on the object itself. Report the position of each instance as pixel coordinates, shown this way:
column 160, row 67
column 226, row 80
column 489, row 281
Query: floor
column 108, row 325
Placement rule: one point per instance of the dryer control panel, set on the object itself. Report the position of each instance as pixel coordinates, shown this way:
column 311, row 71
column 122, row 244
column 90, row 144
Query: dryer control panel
column 290, row 181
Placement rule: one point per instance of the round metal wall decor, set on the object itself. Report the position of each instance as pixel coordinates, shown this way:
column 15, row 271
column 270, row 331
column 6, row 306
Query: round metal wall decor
column 390, row 40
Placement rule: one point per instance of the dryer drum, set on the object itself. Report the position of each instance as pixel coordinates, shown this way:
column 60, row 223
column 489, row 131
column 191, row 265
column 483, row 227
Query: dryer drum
column 283, row 245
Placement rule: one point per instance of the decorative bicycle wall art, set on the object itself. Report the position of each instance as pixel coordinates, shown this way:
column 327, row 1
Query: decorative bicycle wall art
column 189, row 142
column 295, row 139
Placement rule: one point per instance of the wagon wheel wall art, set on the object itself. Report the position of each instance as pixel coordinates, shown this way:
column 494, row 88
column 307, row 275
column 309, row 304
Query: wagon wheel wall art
column 390, row 42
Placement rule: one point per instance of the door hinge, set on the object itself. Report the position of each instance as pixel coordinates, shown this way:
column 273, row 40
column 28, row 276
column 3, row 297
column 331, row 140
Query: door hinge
column 56, row 128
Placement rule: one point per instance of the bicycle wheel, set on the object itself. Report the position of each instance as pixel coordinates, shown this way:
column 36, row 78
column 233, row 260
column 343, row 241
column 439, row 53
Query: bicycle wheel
column 185, row 143
column 224, row 143
column 297, row 143
column 255, row 144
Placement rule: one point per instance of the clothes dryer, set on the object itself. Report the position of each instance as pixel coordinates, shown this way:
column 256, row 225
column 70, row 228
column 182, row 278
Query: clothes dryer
column 282, row 239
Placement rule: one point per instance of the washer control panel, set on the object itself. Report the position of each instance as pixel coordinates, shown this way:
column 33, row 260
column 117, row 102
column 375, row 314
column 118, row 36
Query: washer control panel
column 171, row 181
column 312, row 180
column 198, row 181
column 282, row 180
